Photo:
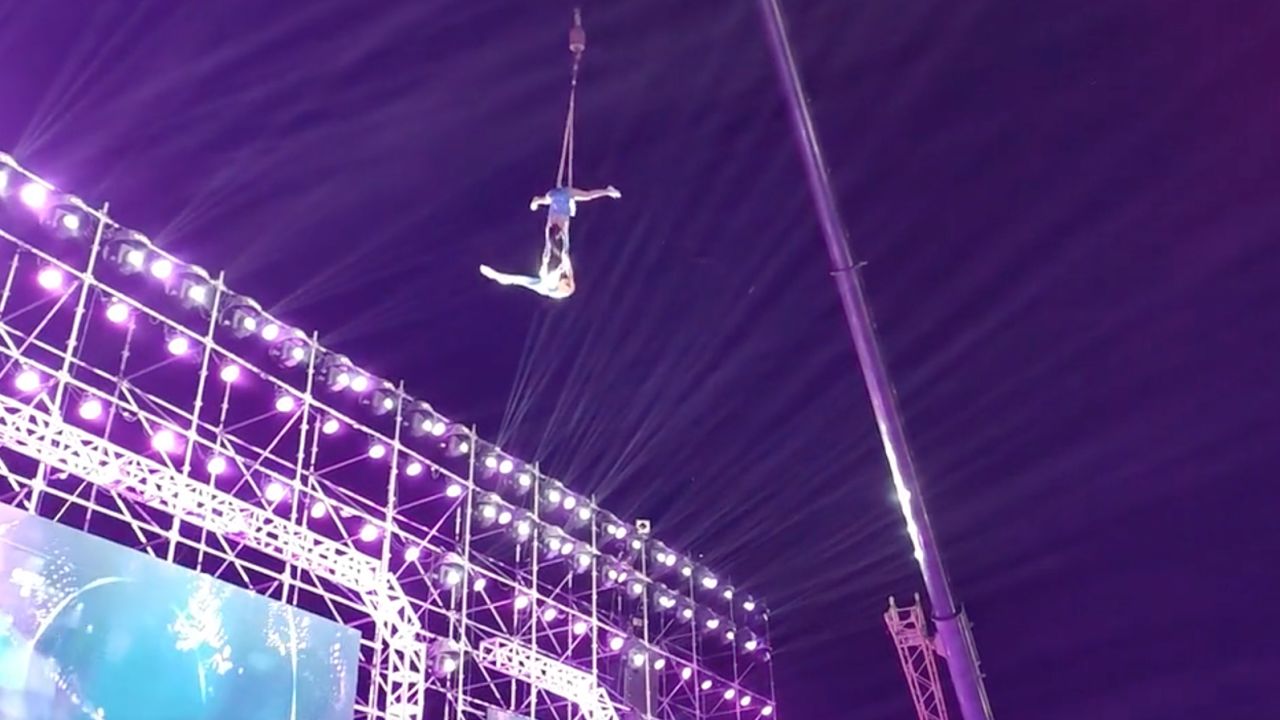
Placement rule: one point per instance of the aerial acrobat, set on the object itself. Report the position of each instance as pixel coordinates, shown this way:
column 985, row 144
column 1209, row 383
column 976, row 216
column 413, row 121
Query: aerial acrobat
column 555, row 274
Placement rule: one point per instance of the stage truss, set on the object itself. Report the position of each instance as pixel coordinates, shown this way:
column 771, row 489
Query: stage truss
column 145, row 402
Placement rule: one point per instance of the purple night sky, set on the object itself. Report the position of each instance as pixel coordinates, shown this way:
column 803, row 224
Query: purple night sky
column 1068, row 214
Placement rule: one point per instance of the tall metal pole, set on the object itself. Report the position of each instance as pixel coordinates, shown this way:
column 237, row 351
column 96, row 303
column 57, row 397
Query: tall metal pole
column 953, row 629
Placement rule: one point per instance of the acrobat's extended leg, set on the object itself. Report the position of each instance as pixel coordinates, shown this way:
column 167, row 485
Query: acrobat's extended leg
column 502, row 278
column 589, row 195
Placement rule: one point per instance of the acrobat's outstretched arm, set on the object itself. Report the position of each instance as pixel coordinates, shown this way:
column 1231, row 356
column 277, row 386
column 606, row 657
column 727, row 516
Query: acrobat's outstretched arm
column 539, row 201
column 589, row 195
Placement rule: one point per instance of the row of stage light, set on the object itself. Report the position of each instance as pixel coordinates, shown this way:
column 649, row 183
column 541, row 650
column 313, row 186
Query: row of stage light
column 634, row 563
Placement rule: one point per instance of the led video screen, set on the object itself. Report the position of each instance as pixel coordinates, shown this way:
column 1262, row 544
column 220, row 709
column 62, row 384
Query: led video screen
column 95, row 630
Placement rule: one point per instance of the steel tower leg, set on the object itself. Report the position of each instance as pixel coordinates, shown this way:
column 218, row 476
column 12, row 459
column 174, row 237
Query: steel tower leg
column 953, row 629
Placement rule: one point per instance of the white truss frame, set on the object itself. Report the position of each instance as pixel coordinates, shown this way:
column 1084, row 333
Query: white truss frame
column 550, row 660
column 918, row 654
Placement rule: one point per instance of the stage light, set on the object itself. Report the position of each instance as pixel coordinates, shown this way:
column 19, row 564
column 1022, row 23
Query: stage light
column 162, row 268
column 666, row 601
column 504, row 517
column 118, row 312
column 270, row 331
column 767, row 710
column 330, row 425
column 570, row 502
column 377, row 451
column 360, row 383
column 659, row 557
column 479, row 584
column 451, row 575
column 686, row 614
column 584, row 514
column 34, row 195
column 686, row 672
column 749, row 605
column 229, row 373
column 671, row 560
column 638, row 658
column 637, row 544
column 582, row 561
column 616, row 642
column 660, row 663
column 554, row 496
column 549, row 613
column 728, row 593
column 126, row 249
column 580, row 627
column 521, row 602
column 636, row 588
column 729, row 635
column 524, row 480
column 523, row 529
column 216, row 465
column 686, row 570
column 439, row 428
column 50, row 278
column 729, row 694
column 285, row 403
column 382, row 400
column 706, row 685
column 194, row 288
column 446, row 657
column 505, row 466
column 178, row 344
column 458, row 445
column 412, row 553
column 27, row 380
column 291, row 352
column 751, row 644
column 554, row 544
column 164, row 440
column 274, row 493
column 745, row 701
column 712, row 623
column 453, row 490
column 318, row 510
column 91, row 409
column 488, row 512
column 413, row 468
column 709, row 581
column 491, row 462
column 368, row 532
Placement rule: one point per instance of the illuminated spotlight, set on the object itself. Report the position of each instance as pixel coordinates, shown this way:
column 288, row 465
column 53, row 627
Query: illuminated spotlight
column 706, row 685
column 745, row 701
column 194, row 288
column 671, row 560
column 285, row 403
column 584, row 514
column 491, row 462
column 446, row 657
column 377, row 451
column 521, row 602
column 330, row 425
column 161, row 268
column 368, row 532
column 523, row 529
column 91, row 409
column 216, row 465
column 549, row 613
column 506, row 466
column 566, row 549
column 479, row 584
column 711, row 623
column 336, row 371
column 729, row 635
column 178, row 344
column 451, row 572
column 767, row 710
column 270, row 331
column 34, row 195
column 458, row 445
column 686, row 672
column 660, row 557
column 709, row 581
column 318, row 510
column 638, row 658
column 751, row 644
column 554, row 543
column 730, row 693
column 616, row 642
column 118, row 312
column 666, row 601
column 382, row 400
column 749, row 605
column 686, row 570
column 164, row 440
column 360, row 382
column 580, row 627
column 274, row 493
column 126, row 249
column 243, row 316
column 50, row 278
column 635, row 588
column 637, row 544
column 686, row 613
column 660, row 663
column 412, row 553
column 453, row 490
column 413, row 468
column 27, row 380
column 504, row 517
column 229, row 373
column 569, row 503
column 582, row 562
column 727, row 594
column 291, row 352
column 554, row 496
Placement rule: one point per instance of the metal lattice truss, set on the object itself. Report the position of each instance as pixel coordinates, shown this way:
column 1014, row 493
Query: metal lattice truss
column 521, row 662
column 917, row 652
column 65, row 447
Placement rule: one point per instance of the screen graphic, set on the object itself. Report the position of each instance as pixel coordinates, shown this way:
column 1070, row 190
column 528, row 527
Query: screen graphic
column 94, row 630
